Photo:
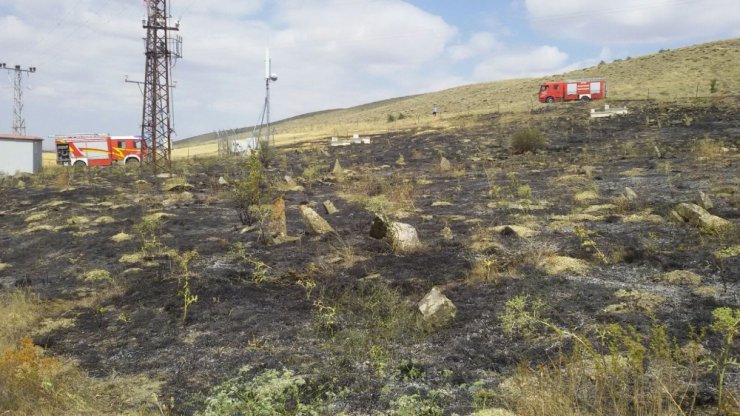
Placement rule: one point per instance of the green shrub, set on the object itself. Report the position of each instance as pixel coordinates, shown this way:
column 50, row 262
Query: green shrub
column 269, row 393
column 251, row 192
column 527, row 140
column 391, row 118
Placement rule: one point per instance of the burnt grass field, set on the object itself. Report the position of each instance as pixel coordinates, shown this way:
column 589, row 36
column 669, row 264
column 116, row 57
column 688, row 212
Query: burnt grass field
column 339, row 310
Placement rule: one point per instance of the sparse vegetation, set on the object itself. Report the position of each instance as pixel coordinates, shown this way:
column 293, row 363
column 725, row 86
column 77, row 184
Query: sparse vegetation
column 527, row 140
column 614, row 322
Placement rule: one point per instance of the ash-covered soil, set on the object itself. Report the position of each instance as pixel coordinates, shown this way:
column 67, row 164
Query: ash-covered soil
column 254, row 308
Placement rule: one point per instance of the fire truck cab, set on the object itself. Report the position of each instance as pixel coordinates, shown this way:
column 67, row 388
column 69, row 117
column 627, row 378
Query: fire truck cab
column 99, row 150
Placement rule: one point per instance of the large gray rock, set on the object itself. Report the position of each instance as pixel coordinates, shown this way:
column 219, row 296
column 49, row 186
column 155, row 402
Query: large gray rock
column 699, row 217
column 444, row 164
column 436, row 309
column 315, row 224
column 402, row 237
column 329, row 207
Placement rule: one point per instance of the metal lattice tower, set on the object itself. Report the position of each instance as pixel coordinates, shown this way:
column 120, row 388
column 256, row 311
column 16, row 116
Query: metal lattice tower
column 19, row 123
column 161, row 53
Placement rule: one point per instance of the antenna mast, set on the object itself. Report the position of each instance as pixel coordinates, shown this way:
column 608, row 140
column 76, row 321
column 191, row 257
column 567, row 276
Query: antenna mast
column 161, row 53
column 265, row 116
column 19, row 123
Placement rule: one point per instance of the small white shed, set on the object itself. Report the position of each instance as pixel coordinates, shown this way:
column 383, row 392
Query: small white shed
column 20, row 154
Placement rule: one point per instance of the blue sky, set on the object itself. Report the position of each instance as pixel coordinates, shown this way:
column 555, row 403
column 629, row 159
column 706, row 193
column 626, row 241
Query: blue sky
column 328, row 53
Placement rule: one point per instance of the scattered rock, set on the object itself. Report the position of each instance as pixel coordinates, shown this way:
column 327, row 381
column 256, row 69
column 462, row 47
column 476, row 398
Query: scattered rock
column 330, row 208
column 290, row 181
column 222, row 181
column 337, row 171
column 681, row 277
column 704, row 201
column 699, row 217
column 630, row 194
column 315, row 224
column 441, row 204
column 436, row 309
column 657, row 152
column 445, row 165
column 403, row 237
column 446, row 234
column 400, row 161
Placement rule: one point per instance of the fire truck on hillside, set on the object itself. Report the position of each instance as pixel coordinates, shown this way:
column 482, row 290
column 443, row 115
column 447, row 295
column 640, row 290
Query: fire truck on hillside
column 99, row 149
column 581, row 89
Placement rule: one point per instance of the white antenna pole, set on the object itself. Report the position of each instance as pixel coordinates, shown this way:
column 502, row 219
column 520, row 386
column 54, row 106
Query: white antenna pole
column 267, row 63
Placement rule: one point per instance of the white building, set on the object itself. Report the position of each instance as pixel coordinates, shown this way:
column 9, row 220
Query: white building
column 19, row 154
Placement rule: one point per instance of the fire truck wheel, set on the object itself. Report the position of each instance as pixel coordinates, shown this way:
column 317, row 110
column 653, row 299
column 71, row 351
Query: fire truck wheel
column 132, row 160
column 550, row 99
column 79, row 163
column 585, row 98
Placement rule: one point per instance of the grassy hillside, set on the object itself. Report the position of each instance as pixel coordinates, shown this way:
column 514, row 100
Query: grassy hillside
column 666, row 75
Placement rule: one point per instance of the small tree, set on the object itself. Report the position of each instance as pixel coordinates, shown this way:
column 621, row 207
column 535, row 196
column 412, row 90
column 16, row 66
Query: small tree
column 251, row 191
column 391, row 118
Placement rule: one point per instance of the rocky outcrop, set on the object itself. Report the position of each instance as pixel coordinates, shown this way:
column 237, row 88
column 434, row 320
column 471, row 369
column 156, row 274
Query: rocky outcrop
column 315, row 224
column 699, row 217
column 402, row 237
column 436, row 310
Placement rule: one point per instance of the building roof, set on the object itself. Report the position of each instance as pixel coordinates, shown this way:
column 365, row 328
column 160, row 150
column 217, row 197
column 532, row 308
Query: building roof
column 19, row 137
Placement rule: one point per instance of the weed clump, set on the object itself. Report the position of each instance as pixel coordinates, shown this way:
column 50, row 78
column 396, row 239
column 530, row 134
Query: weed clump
column 271, row 392
column 527, row 140
column 251, row 191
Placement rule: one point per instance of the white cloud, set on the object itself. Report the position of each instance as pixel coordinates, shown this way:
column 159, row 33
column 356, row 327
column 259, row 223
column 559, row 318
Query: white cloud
column 480, row 43
column 634, row 21
column 520, row 63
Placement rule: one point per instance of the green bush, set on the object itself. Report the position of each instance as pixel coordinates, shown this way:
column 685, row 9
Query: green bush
column 527, row 140
column 251, row 192
column 391, row 118
column 269, row 393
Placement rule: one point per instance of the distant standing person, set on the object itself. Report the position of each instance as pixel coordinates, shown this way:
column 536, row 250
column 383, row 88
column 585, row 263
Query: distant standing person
column 434, row 111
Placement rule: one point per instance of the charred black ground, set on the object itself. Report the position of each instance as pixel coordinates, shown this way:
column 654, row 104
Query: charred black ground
column 136, row 328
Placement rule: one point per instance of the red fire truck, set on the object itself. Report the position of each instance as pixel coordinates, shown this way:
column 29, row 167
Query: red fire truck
column 582, row 89
column 99, row 149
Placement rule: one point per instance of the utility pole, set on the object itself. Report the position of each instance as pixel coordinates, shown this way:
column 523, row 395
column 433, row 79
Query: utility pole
column 161, row 49
column 19, row 123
